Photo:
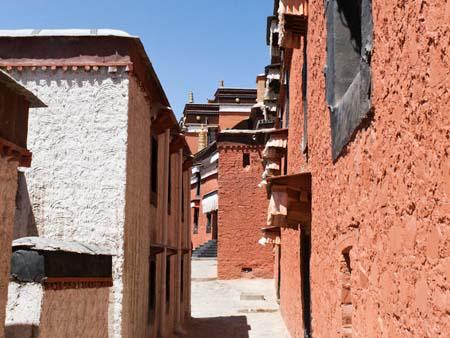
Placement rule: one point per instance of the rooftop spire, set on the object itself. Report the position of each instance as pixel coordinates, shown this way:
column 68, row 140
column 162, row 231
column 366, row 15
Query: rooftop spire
column 191, row 97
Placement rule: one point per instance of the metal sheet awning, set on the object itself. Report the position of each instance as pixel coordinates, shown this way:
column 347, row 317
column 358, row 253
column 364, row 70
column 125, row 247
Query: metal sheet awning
column 210, row 203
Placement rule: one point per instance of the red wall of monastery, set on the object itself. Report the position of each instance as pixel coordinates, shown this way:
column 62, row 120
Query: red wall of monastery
column 388, row 195
column 290, row 296
column 192, row 141
column 208, row 185
column 230, row 120
column 242, row 214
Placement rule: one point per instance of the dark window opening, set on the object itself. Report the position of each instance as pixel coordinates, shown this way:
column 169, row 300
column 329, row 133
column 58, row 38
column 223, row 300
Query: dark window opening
column 245, row 160
column 212, row 135
column 286, row 99
column 196, row 214
column 199, row 182
column 182, row 281
column 168, row 273
column 279, row 274
column 182, row 198
column 154, row 171
column 305, row 100
column 152, row 289
column 246, row 270
column 169, row 191
column 305, row 257
column 346, row 295
column 208, row 223
column 275, row 39
column 215, row 230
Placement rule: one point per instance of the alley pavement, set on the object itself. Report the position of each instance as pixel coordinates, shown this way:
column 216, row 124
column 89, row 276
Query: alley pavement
column 244, row 308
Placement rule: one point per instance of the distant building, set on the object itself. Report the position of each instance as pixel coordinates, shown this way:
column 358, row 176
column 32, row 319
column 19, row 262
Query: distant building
column 112, row 170
column 227, row 206
column 358, row 212
column 15, row 101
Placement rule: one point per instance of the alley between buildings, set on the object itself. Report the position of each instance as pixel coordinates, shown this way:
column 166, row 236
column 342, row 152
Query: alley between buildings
column 241, row 308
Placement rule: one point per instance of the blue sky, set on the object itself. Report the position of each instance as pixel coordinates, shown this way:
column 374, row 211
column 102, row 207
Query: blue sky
column 193, row 44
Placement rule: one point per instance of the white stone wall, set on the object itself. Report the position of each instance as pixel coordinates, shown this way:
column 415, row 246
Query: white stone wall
column 8, row 188
column 23, row 310
column 78, row 176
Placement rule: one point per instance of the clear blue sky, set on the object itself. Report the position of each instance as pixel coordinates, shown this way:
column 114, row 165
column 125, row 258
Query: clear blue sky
column 193, row 44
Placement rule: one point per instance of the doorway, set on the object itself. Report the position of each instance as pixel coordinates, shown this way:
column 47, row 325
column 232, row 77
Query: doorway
column 305, row 258
column 214, row 221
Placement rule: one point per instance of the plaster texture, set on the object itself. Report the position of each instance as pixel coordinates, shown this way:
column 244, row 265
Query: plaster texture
column 75, row 313
column 387, row 196
column 77, row 183
column 230, row 120
column 242, row 214
column 23, row 310
column 137, row 215
column 8, row 188
column 34, row 312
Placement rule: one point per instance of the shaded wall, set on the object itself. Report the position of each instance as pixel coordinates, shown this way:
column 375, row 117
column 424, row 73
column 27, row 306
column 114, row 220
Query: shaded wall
column 8, row 188
column 242, row 214
column 137, row 216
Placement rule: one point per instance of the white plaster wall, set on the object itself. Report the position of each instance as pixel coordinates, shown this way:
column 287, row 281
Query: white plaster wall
column 23, row 309
column 8, row 188
column 79, row 143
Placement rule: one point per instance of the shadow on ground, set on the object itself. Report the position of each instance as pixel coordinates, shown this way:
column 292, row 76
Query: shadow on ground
column 218, row 327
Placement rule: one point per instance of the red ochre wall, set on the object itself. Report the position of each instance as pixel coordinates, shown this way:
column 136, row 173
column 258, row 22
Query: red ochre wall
column 242, row 214
column 388, row 195
column 208, row 185
column 230, row 120
column 192, row 141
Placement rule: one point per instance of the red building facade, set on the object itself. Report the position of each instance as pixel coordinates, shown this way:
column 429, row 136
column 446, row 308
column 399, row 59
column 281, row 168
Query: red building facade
column 368, row 144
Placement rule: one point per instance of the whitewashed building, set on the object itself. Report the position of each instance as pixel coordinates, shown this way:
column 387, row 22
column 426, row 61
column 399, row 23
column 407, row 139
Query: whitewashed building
column 107, row 142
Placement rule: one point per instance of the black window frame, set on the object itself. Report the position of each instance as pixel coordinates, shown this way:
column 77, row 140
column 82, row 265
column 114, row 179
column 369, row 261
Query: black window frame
column 152, row 288
column 246, row 160
column 198, row 183
column 349, row 109
column 208, row 223
column 168, row 282
column 154, row 171
column 196, row 218
column 169, row 186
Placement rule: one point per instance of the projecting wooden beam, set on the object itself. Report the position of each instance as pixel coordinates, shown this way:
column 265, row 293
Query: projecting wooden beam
column 15, row 153
column 165, row 120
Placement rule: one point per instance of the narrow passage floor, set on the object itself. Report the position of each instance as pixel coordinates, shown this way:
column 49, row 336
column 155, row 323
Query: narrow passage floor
column 244, row 308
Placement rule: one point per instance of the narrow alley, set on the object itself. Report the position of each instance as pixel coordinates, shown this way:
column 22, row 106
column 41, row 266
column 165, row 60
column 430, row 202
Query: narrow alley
column 225, row 169
column 242, row 308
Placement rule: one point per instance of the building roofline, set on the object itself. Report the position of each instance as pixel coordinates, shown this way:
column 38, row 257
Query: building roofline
column 17, row 88
column 87, row 35
column 64, row 32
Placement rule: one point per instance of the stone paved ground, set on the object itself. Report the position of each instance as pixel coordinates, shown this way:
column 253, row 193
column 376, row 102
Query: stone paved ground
column 219, row 312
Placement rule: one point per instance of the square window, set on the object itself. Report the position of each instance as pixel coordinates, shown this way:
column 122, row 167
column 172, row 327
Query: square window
column 245, row 160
